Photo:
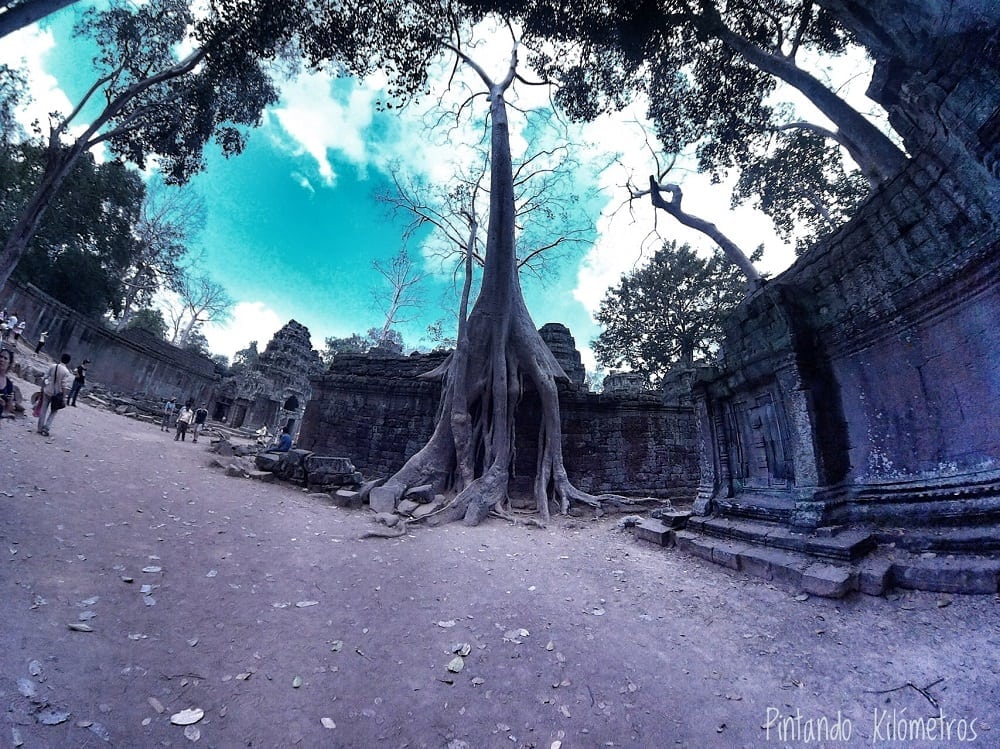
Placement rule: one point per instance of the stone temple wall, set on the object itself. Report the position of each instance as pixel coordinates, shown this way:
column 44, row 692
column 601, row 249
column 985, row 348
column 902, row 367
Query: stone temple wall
column 377, row 412
column 130, row 362
column 862, row 384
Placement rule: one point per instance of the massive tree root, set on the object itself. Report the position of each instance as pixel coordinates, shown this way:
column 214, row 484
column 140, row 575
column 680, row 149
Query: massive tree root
column 470, row 455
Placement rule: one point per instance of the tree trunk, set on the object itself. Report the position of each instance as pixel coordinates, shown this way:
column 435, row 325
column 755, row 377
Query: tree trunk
column 731, row 250
column 59, row 164
column 876, row 155
column 28, row 12
column 471, row 450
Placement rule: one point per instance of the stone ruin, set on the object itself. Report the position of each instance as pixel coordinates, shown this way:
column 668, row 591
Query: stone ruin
column 274, row 393
column 378, row 412
column 853, row 421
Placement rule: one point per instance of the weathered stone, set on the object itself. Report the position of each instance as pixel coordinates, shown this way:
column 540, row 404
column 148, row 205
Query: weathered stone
column 383, row 498
column 422, row 494
column 425, row 510
column 266, row 476
column 653, row 531
column 268, row 461
column 322, row 464
column 407, row 506
column 827, row 580
column 874, row 576
column 671, row 518
column 235, row 471
column 347, row 498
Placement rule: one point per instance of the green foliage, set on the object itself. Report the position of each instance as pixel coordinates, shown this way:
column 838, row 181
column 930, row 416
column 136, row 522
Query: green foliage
column 84, row 245
column 196, row 342
column 148, row 319
column 803, row 187
column 221, row 364
column 667, row 312
column 173, row 119
column 352, row 344
column 246, row 359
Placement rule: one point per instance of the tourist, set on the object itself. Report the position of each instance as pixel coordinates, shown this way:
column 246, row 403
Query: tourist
column 42, row 337
column 11, row 323
column 284, row 443
column 78, row 381
column 199, row 421
column 6, row 386
column 19, row 331
column 262, row 435
column 183, row 419
column 168, row 412
column 54, row 391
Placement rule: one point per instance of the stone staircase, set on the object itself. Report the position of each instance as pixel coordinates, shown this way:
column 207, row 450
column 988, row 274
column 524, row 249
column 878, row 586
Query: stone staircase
column 835, row 561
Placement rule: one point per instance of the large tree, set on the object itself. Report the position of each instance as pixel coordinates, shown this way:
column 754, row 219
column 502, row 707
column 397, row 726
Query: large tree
column 16, row 14
column 399, row 296
column 667, row 312
column 708, row 69
column 170, row 218
column 85, row 244
column 156, row 104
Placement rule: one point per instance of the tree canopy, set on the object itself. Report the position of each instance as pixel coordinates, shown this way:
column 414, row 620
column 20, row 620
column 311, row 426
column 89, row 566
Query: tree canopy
column 85, row 244
column 667, row 312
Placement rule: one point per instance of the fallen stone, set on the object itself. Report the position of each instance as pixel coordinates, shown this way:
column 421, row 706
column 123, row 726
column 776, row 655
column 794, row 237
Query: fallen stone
column 347, row 498
column 266, row 476
column 235, row 471
column 422, row 494
column 407, row 506
column 653, row 531
column 383, row 498
column 425, row 510
column 672, row 518
column 323, row 464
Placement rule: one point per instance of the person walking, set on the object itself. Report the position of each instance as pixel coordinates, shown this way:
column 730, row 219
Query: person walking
column 7, row 400
column 199, row 421
column 183, row 419
column 168, row 412
column 57, row 383
column 78, row 381
column 42, row 337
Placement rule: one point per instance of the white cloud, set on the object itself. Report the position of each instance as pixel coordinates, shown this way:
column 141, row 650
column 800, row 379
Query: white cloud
column 251, row 321
column 26, row 49
column 319, row 118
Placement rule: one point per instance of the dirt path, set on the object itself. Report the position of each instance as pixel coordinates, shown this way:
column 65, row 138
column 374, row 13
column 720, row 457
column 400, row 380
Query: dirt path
column 267, row 612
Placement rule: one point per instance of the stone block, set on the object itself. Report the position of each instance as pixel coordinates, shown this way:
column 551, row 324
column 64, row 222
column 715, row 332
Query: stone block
column 426, row 509
column 268, row 461
column 944, row 575
column 828, row 580
column 694, row 544
column 388, row 519
column 407, row 506
column 383, row 498
column 874, row 576
column 422, row 494
column 727, row 554
column 653, row 531
column 235, row 471
column 674, row 518
column 266, row 476
column 347, row 498
column 328, row 465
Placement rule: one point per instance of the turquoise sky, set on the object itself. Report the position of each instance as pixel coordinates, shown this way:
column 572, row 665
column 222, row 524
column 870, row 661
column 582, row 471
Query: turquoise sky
column 292, row 226
column 283, row 239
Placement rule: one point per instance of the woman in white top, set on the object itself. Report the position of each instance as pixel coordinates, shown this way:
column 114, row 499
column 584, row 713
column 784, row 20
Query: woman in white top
column 57, row 381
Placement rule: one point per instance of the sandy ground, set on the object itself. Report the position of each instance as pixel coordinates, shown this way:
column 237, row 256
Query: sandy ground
column 265, row 609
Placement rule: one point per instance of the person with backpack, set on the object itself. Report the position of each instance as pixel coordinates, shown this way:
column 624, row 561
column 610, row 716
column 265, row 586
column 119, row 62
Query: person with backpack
column 57, row 383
